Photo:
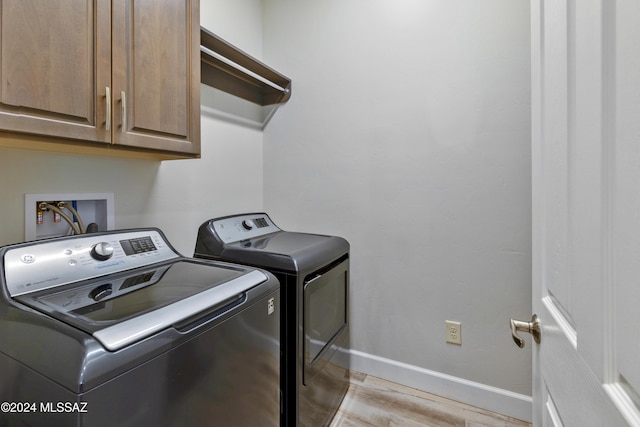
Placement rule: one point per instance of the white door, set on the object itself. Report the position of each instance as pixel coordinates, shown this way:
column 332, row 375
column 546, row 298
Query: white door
column 586, row 211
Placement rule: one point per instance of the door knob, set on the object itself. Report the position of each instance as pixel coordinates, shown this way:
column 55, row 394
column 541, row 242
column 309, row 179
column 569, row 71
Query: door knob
column 532, row 327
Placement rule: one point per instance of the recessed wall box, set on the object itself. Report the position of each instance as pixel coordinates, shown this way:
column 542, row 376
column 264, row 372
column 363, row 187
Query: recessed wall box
column 91, row 207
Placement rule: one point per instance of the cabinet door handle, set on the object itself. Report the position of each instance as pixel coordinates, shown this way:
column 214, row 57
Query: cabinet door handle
column 108, row 118
column 124, row 112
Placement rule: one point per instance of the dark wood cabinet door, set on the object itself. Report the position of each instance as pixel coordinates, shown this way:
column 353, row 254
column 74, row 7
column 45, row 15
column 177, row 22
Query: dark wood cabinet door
column 55, row 68
column 156, row 74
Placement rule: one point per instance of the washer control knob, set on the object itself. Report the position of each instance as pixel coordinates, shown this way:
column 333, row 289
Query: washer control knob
column 102, row 251
column 101, row 292
column 248, row 224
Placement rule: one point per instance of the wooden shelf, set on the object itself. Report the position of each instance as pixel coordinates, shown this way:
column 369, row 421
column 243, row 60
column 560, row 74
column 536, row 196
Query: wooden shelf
column 227, row 68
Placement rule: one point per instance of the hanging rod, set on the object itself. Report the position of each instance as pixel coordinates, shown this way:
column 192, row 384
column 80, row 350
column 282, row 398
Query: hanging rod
column 229, row 69
column 244, row 70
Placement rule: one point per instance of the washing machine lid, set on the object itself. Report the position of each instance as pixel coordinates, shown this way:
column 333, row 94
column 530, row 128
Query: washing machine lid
column 118, row 311
column 254, row 239
column 123, row 309
column 120, row 287
column 288, row 251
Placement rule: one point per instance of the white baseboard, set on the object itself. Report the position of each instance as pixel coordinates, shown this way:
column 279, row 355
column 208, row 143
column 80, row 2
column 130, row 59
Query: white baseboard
column 472, row 393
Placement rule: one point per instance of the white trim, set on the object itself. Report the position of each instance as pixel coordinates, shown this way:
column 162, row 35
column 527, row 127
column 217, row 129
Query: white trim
column 624, row 403
column 552, row 412
column 472, row 393
column 564, row 325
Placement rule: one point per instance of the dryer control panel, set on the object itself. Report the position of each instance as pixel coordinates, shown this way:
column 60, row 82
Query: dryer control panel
column 241, row 227
column 45, row 264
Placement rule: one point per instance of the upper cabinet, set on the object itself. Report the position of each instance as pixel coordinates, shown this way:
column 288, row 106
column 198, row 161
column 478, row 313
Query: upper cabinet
column 114, row 73
column 56, row 64
column 156, row 74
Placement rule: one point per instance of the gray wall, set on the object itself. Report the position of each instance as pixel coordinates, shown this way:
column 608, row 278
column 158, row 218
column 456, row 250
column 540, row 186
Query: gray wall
column 408, row 133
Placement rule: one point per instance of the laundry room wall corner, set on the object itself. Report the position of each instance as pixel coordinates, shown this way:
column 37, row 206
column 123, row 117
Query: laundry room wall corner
column 409, row 135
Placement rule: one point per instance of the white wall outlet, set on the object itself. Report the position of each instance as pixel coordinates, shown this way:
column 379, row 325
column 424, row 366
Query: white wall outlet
column 453, row 332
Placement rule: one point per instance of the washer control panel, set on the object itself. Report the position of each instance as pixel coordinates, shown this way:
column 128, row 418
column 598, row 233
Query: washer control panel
column 47, row 264
column 242, row 227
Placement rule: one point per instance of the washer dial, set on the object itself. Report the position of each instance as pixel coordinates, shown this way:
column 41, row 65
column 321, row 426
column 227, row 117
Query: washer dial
column 102, row 251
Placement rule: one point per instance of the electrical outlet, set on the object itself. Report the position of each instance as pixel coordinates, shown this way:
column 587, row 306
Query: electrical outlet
column 453, row 332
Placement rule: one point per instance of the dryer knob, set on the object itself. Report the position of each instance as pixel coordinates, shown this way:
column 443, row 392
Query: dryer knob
column 102, row 251
column 248, row 224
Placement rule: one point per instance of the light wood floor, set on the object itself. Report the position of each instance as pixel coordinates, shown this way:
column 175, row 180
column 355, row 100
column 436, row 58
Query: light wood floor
column 373, row 402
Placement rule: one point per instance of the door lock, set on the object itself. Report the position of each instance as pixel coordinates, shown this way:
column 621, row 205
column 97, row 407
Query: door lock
column 532, row 327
